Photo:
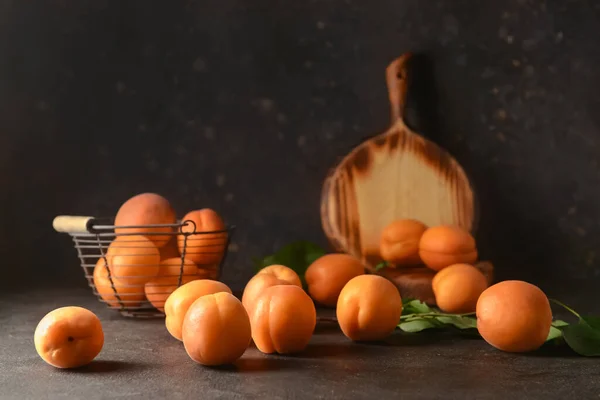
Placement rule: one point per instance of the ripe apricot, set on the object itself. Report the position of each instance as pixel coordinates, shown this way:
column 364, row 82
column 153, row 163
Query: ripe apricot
column 116, row 293
column 69, row 337
column 283, row 320
column 265, row 278
column 399, row 243
column 168, row 279
column 369, row 308
column 146, row 209
column 203, row 248
column 216, row 329
column 133, row 260
column 327, row 276
column 514, row 316
column 169, row 250
column 179, row 301
column 445, row 245
column 458, row 287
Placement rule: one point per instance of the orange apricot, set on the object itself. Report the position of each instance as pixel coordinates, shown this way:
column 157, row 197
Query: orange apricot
column 216, row 329
column 171, row 275
column 146, row 209
column 458, row 287
column 444, row 245
column 201, row 247
column 267, row 277
column 514, row 316
column 399, row 243
column 369, row 308
column 327, row 276
column 283, row 320
column 181, row 299
column 69, row 337
column 115, row 293
column 133, row 260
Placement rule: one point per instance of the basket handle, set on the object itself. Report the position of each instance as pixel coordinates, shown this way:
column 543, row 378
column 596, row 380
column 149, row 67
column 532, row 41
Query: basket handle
column 71, row 223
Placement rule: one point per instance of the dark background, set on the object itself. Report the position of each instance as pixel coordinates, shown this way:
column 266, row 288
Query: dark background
column 243, row 106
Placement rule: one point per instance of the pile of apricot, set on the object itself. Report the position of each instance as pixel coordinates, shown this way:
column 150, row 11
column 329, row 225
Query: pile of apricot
column 148, row 262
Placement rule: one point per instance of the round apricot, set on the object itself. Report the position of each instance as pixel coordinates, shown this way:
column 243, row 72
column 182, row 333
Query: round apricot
column 458, row 287
column 171, row 275
column 115, row 293
column 203, row 247
column 399, row 243
column 327, row 276
column 179, row 301
column 69, row 337
column 445, row 245
column 216, row 329
column 133, row 260
column 146, row 209
column 283, row 320
column 514, row 316
column 369, row 308
column 265, row 278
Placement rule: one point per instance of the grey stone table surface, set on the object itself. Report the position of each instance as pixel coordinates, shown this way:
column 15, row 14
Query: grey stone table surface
column 141, row 360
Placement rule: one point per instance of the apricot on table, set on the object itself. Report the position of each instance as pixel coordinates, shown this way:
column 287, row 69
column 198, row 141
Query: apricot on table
column 369, row 308
column 216, row 329
column 115, row 293
column 327, row 276
column 181, row 299
column 514, row 316
column 146, row 209
column 168, row 280
column 399, row 243
column 283, row 320
column 203, row 247
column 444, row 245
column 267, row 277
column 133, row 260
column 69, row 337
column 458, row 287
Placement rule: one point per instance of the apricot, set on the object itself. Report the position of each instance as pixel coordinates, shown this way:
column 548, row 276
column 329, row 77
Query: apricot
column 169, row 250
column 458, row 287
column 69, row 337
column 265, row 278
column 181, row 299
column 216, row 329
column 115, row 293
column 168, row 279
column 445, row 245
column 133, row 260
column 369, row 308
column 327, row 276
column 203, row 248
column 283, row 320
column 146, row 209
column 399, row 243
column 514, row 316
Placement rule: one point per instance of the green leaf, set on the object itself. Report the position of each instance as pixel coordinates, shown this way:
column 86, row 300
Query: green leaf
column 584, row 337
column 557, row 323
column 416, row 325
column 297, row 256
column 382, row 265
column 554, row 333
column 415, row 307
column 459, row 322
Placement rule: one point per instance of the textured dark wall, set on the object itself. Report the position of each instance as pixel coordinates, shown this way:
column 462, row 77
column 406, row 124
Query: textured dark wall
column 243, row 106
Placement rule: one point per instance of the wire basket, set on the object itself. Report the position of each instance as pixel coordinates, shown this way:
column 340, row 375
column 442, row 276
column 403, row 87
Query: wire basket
column 133, row 269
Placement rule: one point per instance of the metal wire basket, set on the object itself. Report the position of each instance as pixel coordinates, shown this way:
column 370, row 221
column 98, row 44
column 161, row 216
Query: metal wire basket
column 133, row 269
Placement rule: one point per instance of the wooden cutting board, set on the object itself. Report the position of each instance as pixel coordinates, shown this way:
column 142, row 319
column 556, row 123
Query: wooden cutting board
column 394, row 175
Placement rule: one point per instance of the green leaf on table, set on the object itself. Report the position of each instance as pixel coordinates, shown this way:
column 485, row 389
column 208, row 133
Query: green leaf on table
column 584, row 337
column 554, row 333
column 412, row 306
column 297, row 256
column 458, row 321
column 557, row 323
column 416, row 325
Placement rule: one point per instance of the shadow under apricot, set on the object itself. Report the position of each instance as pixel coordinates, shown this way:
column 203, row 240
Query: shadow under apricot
column 104, row 366
column 257, row 364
